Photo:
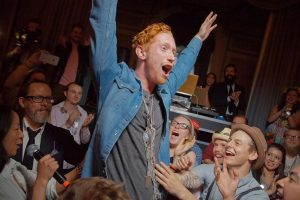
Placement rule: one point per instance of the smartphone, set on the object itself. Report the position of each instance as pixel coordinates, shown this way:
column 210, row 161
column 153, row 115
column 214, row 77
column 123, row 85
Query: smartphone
column 49, row 59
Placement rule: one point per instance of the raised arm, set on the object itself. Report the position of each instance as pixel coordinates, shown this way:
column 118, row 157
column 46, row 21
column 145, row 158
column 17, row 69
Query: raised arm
column 189, row 55
column 274, row 114
column 104, row 43
column 46, row 168
column 207, row 26
column 171, row 183
column 18, row 75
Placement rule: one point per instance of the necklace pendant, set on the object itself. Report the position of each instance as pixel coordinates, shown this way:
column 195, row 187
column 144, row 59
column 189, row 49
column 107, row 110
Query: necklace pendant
column 148, row 181
column 146, row 137
column 76, row 123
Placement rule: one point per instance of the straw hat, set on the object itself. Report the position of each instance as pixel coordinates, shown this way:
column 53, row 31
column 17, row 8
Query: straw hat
column 223, row 135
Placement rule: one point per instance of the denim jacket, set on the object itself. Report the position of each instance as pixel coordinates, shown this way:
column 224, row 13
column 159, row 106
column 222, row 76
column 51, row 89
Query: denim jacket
column 121, row 90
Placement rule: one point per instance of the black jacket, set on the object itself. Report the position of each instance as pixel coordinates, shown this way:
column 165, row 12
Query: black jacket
column 63, row 142
column 218, row 98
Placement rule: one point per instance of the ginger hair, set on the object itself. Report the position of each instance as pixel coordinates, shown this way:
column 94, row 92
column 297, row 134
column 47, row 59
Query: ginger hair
column 146, row 35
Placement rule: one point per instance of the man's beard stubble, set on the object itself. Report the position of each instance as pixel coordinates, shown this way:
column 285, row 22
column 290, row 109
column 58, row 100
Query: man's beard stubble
column 36, row 117
column 229, row 80
column 291, row 150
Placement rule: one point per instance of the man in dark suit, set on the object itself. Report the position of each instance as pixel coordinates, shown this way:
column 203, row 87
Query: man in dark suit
column 227, row 97
column 36, row 101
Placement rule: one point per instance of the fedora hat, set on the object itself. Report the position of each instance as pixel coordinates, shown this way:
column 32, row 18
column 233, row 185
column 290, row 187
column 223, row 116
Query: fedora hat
column 259, row 140
column 223, row 135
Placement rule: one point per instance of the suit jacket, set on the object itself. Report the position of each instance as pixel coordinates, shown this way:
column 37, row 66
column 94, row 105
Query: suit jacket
column 218, row 98
column 62, row 141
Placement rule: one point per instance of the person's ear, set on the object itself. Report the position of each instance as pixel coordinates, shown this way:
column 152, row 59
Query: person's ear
column 140, row 52
column 22, row 102
column 65, row 93
column 253, row 155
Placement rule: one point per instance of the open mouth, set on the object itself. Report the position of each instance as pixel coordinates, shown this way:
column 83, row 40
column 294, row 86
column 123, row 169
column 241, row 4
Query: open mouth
column 279, row 195
column 229, row 153
column 167, row 69
column 218, row 155
column 175, row 134
column 270, row 164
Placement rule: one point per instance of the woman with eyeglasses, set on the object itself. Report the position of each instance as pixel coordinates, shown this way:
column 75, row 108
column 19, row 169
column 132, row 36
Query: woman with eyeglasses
column 272, row 169
column 16, row 182
column 182, row 138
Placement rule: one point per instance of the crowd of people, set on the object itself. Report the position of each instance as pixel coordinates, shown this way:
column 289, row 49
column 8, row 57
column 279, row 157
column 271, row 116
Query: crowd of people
column 131, row 149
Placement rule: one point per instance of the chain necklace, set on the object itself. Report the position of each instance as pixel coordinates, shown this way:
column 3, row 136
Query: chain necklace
column 148, row 138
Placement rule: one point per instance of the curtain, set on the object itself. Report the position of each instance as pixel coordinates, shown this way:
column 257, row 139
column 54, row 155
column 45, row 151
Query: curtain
column 56, row 16
column 280, row 67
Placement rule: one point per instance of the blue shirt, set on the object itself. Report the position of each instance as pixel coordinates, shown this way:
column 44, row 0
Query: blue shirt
column 121, row 90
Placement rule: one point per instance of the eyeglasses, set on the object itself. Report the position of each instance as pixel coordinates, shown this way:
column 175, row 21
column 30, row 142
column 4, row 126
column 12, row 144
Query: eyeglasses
column 292, row 137
column 181, row 125
column 40, row 99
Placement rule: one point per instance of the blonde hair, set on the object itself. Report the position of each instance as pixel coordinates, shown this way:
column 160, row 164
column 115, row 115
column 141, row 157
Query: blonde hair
column 183, row 147
column 191, row 129
column 146, row 35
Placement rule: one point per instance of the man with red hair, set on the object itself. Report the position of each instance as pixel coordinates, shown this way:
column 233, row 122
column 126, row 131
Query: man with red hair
column 132, row 131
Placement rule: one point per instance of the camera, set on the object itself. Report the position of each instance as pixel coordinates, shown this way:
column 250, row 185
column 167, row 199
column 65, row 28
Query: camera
column 286, row 112
column 25, row 38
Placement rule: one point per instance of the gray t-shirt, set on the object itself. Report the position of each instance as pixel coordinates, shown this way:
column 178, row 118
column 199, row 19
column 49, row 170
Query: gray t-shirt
column 127, row 161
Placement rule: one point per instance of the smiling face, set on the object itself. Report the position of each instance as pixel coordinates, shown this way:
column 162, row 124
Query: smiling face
column 73, row 93
column 289, row 188
column 291, row 97
column 230, row 74
column 239, row 150
column 179, row 131
column 219, row 149
column 14, row 136
column 292, row 140
column 273, row 159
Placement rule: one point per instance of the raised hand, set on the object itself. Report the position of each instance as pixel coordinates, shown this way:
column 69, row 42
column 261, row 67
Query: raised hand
column 184, row 145
column 34, row 59
column 235, row 96
column 184, row 162
column 46, row 168
column 207, row 26
column 227, row 181
column 273, row 187
column 88, row 120
column 167, row 178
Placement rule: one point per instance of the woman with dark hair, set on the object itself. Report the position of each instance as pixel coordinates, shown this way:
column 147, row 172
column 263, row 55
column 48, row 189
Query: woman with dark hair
column 278, row 117
column 272, row 169
column 16, row 182
column 201, row 93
